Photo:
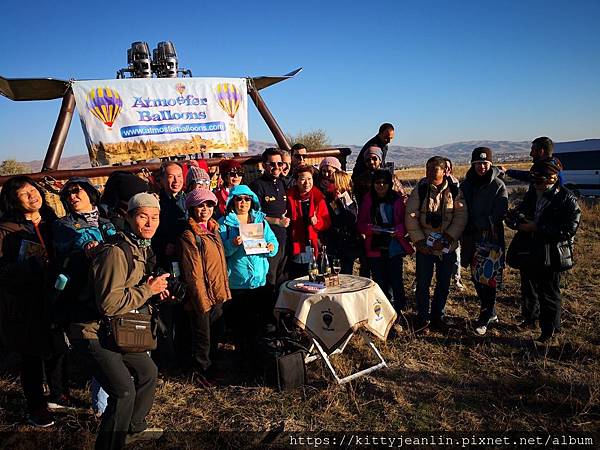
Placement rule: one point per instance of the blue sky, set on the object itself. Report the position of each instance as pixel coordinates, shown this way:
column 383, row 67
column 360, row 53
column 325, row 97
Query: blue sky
column 440, row 71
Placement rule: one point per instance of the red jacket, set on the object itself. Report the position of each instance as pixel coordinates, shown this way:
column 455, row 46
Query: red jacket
column 222, row 196
column 298, row 231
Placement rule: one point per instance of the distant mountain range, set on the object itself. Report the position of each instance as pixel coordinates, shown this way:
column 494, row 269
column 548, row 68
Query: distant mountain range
column 459, row 152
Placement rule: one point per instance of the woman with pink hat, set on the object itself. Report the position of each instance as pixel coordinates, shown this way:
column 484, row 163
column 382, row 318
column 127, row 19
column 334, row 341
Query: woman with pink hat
column 204, row 268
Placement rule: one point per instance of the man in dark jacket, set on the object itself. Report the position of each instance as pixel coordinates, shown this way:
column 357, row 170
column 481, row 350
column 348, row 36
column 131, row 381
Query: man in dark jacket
column 487, row 202
column 542, row 149
column 547, row 220
column 383, row 137
column 173, row 221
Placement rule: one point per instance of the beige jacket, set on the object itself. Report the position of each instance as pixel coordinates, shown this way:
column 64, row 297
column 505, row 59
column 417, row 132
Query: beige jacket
column 439, row 200
column 114, row 293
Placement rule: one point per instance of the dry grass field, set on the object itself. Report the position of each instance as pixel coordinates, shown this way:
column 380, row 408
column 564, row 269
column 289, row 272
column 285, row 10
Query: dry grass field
column 456, row 382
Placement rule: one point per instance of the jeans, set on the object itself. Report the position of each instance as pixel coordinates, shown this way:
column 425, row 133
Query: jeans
column 540, row 293
column 388, row 274
column 487, row 299
column 129, row 399
column 444, row 267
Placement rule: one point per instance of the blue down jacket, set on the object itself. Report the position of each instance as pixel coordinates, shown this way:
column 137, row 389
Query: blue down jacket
column 245, row 271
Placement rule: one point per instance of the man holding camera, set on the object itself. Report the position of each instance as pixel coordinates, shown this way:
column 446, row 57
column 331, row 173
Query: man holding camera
column 546, row 222
column 120, row 284
column 435, row 218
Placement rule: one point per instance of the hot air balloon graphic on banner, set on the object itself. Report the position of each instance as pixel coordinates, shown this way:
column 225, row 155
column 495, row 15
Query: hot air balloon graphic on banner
column 105, row 104
column 229, row 98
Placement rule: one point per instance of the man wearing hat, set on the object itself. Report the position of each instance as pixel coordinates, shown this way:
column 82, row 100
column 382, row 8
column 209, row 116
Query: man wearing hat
column 381, row 140
column 487, row 202
column 547, row 219
column 361, row 180
column 231, row 173
column 119, row 288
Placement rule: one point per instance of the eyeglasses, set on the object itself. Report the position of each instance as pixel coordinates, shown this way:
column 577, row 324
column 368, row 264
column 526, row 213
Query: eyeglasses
column 233, row 173
column 275, row 164
column 243, row 198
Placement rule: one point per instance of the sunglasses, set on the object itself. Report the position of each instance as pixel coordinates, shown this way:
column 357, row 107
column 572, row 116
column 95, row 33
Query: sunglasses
column 275, row 164
column 74, row 190
column 381, row 183
column 207, row 204
column 373, row 158
column 243, row 198
column 202, row 182
column 234, row 173
column 298, row 156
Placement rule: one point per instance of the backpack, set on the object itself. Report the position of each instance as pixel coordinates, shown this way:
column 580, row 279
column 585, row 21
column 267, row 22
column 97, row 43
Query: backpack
column 280, row 358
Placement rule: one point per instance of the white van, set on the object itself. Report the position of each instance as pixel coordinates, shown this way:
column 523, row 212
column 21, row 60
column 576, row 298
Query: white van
column 581, row 165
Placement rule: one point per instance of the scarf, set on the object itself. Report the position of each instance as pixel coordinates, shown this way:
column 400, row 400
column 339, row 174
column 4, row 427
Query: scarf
column 91, row 218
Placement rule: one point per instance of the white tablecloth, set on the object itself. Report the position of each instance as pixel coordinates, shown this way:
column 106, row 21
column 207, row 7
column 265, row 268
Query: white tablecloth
column 331, row 316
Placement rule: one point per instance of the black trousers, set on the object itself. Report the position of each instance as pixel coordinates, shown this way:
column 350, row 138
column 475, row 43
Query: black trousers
column 129, row 379
column 35, row 368
column 541, row 298
column 173, row 337
column 487, row 300
column 243, row 314
column 206, row 330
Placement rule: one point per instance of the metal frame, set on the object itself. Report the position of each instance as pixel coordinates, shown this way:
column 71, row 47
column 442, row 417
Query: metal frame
column 325, row 357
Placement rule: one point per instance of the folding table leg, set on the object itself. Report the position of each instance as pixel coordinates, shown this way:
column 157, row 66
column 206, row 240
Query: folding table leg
column 360, row 373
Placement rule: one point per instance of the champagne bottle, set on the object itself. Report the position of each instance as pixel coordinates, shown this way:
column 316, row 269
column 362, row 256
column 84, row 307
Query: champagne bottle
column 325, row 267
column 313, row 268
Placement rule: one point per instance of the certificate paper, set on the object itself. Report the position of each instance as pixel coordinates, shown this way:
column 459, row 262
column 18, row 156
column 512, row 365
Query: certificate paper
column 253, row 238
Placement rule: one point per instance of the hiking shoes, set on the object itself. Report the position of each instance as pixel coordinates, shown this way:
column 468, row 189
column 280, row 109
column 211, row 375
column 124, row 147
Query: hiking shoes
column 64, row 403
column 41, row 418
column 527, row 324
column 439, row 324
column 149, row 434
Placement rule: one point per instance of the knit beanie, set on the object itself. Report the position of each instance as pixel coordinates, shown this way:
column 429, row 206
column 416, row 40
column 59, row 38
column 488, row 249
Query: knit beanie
column 198, row 196
column 198, row 176
column 143, row 200
column 481, row 154
column 330, row 161
column 373, row 151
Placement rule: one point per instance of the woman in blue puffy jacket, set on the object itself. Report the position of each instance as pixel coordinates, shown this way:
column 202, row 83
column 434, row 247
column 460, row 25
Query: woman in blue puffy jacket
column 247, row 273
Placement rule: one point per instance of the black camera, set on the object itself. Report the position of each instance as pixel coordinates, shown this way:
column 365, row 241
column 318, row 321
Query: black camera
column 514, row 218
column 434, row 219
column 177, row 288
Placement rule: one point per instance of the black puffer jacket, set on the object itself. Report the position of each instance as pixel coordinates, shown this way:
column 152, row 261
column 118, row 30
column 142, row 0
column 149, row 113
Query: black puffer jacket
column 552, row 244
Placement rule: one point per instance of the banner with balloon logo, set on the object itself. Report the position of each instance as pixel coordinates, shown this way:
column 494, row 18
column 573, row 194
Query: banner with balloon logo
column 142, row 119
